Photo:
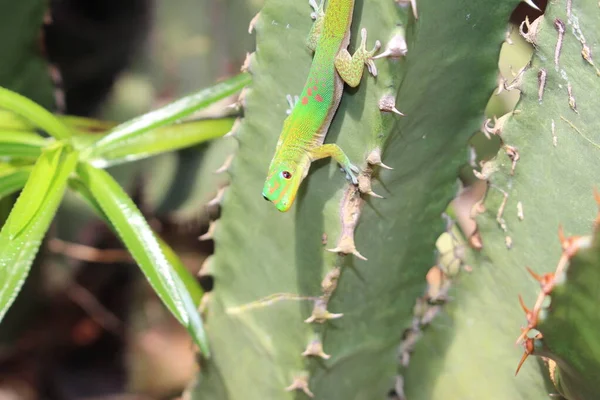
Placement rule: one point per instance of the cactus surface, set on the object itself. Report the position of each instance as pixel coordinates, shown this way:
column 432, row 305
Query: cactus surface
column 273, row 271
column 544, row 177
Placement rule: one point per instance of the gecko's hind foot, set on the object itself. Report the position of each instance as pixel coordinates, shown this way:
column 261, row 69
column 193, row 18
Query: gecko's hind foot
column 351, row 173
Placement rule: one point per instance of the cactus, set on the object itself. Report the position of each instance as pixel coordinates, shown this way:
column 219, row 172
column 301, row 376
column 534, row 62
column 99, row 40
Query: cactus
column 24, row 68
column 273, row 271
column 544, row 177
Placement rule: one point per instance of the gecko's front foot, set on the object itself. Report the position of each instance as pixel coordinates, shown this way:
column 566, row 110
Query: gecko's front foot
column 352, row 172
column 368, row 55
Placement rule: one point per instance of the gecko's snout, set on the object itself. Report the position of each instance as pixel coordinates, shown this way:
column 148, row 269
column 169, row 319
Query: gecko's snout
column 265, row 197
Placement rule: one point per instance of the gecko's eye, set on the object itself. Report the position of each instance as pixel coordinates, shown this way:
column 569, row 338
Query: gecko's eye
column 286, row 175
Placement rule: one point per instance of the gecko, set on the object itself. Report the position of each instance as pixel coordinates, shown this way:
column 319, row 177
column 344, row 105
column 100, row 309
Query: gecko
column 303, row 134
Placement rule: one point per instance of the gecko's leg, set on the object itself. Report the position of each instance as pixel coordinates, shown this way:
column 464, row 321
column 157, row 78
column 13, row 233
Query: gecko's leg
column 292, row 101
column 334, row 151
column 315, row 32
column 350, row 68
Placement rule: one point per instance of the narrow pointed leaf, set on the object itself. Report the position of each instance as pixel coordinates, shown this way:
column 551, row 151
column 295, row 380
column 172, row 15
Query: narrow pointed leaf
column 186, row 277
column 17, row 252
column 170, row 113
column 21, row 144
column 33, row 113
column 163, row 140
column 143, row 245
column 33, row 196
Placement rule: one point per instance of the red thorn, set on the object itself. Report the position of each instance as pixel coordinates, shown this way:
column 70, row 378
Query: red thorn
column 527, row 353
column 537, row 277
column 524, row 307
column 546, row 281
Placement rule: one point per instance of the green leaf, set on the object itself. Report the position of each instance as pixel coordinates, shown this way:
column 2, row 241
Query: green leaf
column 188, row 279
column 38, row 186
column 162, row 140
column 21, row 144
column 143, row 245
column 169, row 113
column 18, row 251
column 12, row 178
column 33, row 113
column 12, row 122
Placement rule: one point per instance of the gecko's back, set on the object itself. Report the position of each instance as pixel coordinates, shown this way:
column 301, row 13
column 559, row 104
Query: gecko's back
column 305, row 128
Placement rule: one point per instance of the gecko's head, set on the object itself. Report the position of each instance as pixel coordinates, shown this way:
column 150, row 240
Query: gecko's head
column 282, row 185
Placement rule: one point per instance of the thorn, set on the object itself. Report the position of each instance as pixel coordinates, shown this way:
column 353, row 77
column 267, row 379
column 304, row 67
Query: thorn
column 320, row 313
column 531, row 4
column 513, row 154
column 300, row 383
column 346, row 250
column 246, row 65
column 210, row 233
column 560, row 27
column 206, row 267
column 572, row 103
column 315, row 348
column 534, row 275
column 218, row 197
column 520, row 214
column 546, row 281
column 234, row 128
column 373, row 194
column 475, row 241
column 532, row 30
column 374, row 158
column 524, row 307
column 532, row 319
column 226, row 165
column 541, row 83
column 396, row 47
column 388, row 104
column 527, row 353
column 253, row 22
column 508, row 242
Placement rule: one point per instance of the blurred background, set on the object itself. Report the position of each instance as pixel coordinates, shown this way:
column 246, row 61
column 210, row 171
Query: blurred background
column 87, row 325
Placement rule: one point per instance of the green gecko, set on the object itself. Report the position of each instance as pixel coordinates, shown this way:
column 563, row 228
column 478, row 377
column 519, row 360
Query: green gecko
column 304, row 130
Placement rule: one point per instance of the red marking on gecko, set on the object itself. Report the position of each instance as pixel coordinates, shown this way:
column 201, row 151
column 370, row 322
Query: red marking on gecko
column 318, row 98
column 315, row 87
column 305, row 100
column 274, row 188
column 309, row 91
